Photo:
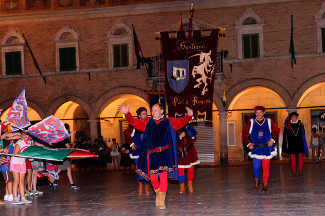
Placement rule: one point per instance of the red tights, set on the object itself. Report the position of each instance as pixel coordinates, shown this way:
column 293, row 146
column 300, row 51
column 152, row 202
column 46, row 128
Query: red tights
column 190, row 172
column 293, row 161
column 163, row 184
column 266, row 170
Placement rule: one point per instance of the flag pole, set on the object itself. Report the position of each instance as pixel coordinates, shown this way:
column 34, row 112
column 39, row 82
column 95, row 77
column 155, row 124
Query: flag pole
column 34, row 59
column 190, row 20
column 292, row 48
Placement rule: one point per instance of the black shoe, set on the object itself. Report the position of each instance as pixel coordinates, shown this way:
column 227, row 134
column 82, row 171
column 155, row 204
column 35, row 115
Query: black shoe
column 73, row 186
column 53, row 185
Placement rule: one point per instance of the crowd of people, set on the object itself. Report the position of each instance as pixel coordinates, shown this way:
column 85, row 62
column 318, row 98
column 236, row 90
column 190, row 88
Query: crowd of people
column 21, row 174
column 109, row 154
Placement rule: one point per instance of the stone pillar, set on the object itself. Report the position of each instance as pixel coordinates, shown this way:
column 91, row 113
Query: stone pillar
column 223, row 138
column 290, row 110
column 93, row 129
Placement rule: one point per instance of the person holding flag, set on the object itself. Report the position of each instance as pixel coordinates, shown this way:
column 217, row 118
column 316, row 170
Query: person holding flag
column 66, row 164
column 158, row 156
column 18, row 169
column 294, row 142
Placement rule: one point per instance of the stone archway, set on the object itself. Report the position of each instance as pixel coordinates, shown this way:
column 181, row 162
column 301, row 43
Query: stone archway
column 305, row 87
column 270, row 84
column 55, row 104
column 76, row 117
column 107, row 98
column 112, row 123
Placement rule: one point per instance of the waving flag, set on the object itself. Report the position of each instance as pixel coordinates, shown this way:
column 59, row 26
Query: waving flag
column 18, row 112
column 81, row 154
column 50, row 130
column 44, row 153
column 51, row 154
column 52, row 170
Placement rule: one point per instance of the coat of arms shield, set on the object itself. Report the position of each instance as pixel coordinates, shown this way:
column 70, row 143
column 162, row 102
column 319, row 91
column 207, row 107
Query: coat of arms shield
column 178, row 74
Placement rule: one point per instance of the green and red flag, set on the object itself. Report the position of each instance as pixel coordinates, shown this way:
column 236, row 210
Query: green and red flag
column 44, row 153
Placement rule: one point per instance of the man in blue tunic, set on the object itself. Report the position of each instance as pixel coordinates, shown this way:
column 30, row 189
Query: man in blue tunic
column 133, row 137
column 259, row 136
column 158, row 155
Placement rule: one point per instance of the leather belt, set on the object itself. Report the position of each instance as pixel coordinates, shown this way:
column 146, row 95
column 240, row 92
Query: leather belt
column 158, row 149
column 261, row 145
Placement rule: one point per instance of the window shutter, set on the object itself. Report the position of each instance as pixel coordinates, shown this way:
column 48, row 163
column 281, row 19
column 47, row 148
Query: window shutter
column 255, row 45
column 72, row 58
column 124, row 55
column 63, row 61
column 13, row 63
column 67, row 59
column 246, row 46
column 204, row 141
column 121, row 55
column 323, row 40
column 116, row 50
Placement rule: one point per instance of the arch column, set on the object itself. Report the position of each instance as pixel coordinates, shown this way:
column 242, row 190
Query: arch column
column 223, row 138
column 290, row 110
column 93, row 128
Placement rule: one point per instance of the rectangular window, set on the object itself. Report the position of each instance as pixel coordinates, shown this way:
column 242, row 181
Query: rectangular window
column 67, row 59
column 231, row 133
column 121, row 57
column 323, row 40
column 251, row 46
column 13, row 63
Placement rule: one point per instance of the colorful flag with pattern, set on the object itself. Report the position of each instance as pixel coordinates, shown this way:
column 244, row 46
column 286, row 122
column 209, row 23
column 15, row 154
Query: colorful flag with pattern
column 18, row 112
column 52, row 170
column 3, row 159
column 50, row 130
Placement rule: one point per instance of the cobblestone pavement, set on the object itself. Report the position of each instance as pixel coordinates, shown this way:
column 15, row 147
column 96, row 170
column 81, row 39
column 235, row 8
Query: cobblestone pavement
column 220, row 190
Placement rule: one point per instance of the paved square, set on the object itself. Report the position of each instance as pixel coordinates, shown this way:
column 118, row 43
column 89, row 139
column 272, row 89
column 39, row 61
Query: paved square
column 221, row 190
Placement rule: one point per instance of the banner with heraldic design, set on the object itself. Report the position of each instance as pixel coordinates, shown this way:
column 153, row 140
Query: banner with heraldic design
column 190, row 67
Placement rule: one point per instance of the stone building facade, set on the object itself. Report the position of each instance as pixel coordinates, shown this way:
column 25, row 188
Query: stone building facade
column 85, row 50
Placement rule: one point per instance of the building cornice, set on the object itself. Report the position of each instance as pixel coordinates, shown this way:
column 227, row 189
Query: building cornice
column 128, row 10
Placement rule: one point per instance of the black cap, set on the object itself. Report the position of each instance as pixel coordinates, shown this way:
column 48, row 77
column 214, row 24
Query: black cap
column 293, row 114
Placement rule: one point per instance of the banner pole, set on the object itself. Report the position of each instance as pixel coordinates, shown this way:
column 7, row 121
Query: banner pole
column 159, row 52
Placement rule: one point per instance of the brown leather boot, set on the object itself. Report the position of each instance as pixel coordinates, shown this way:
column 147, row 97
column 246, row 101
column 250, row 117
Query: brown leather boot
column 190, row 186
column 257, row 182
column 301, row 175
column 146, row 189
column 162, row 200
column 264, row 189
column 157, row 197
column 182, row 188
column 293, row 173
column 140, row 188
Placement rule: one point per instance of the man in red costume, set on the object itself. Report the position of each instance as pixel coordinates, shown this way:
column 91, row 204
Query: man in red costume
column 259, row 136
column 158, row 156
column 187, row 157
